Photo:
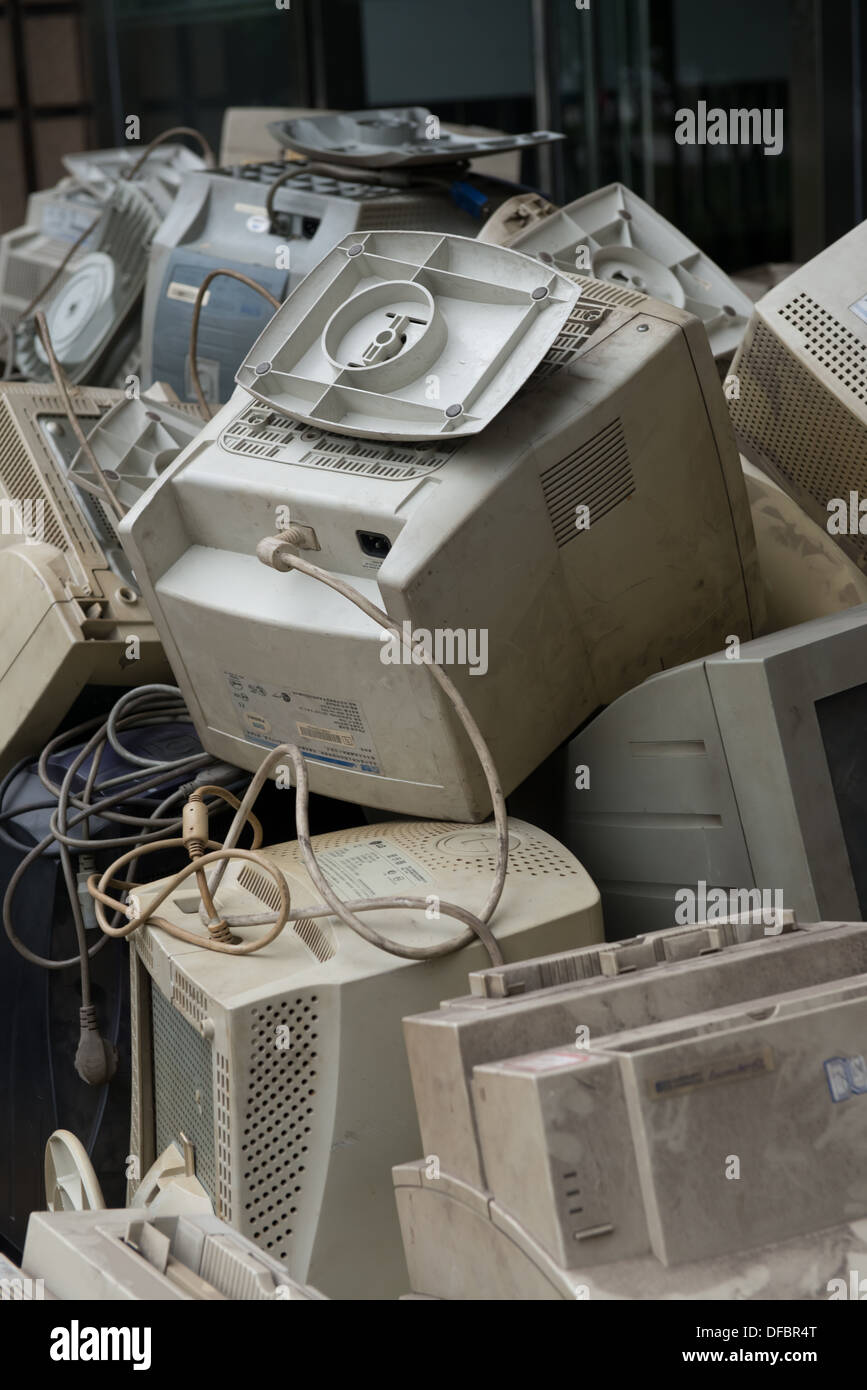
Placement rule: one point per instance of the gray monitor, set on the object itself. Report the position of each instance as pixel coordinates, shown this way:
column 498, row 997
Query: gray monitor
column 736, row 772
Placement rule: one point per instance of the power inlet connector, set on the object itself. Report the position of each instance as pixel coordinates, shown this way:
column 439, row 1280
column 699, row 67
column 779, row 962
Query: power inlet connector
column 274, row 550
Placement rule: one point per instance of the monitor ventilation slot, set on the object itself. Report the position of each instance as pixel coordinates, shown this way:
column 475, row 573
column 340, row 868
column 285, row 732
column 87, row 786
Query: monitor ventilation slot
column 187, row 997
column 605, row 292
column 597, row 476
column 20, row 482
column 830, row 343
column 315, row 937
column 279, row 1116
column 423, row 841
column 144, row 946
column 224, row 1146
column 260, row 433
column 570, row 342
column 183, row 1086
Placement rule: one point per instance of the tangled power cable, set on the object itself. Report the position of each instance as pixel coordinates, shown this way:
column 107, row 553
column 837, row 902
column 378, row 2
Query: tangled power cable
column 205, row 853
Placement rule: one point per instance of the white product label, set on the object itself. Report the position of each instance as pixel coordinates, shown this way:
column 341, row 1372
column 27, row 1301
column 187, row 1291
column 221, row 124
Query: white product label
column 186, row 293
column 326, row 729
column 375, row 869
column 860, row 307
column 257, row 224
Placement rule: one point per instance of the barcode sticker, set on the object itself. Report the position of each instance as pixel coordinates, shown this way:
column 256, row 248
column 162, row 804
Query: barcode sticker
column 326, row 735
column 327, row 728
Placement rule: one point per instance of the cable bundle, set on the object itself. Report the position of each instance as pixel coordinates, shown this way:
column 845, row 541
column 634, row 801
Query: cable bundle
column 139, row 805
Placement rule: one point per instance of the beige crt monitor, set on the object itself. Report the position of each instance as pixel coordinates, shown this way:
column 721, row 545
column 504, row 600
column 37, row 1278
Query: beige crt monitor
column 538, row 481
column 805, row 574
column 70, row 609
column 692, row 1129
column 800, row 411
column 32, row 253
column 286, row 1068
column 616, row 236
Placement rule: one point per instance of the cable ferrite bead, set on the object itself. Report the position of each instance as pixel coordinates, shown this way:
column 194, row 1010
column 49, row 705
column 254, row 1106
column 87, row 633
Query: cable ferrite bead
column 194, row 828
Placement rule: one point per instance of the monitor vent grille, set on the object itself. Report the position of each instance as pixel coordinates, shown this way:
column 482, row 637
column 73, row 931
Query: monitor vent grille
column 263, row 888
column 279, row 1116
column 585, row 318
column 266, row 434
column 598, row 476
column 434, row 845
column 408, row 213
column 785, row 414
column 135, row 1096
column 606, row 292
column 829, row 342
column 224, row 1133
column 183, row 1087
column 25, row 278
column 144, row 946
column 187, row 997
column 316, row 938
column 20, row 482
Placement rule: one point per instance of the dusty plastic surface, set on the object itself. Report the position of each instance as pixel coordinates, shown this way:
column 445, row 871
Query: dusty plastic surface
column 87, row 315
column 135, row 442
column 514, row 217
column 71, row 1183
column 620, row 1145
column 120, row 1254
column 170, row 1185
column 356, row 347
column 475, row 540
column 166, row 166
column 753, row 781
column 76, row 603
column 800, row 408
column 614, row 235
column 219, row 218
column 461, row 1245
column 384, row 138
column 607, row 1152
column 32, row 253
column 568, row 998
column 313, row 1021
column 806, row 575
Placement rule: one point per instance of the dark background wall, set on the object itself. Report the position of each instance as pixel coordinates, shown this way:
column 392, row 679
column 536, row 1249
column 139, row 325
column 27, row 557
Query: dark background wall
column 612, row 77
